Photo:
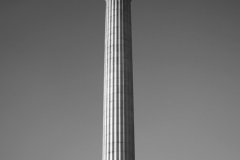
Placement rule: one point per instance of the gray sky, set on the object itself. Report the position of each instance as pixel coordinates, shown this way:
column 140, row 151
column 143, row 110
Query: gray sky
column 186, row 79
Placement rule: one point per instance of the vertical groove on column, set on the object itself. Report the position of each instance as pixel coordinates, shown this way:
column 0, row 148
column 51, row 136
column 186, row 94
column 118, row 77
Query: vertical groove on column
column 128, row 79
column 126, row 82
column 119, row 87
column 114, row 80
column 122, row 84
column 111, row 77
column 112, row 72
column 118, row 81
column 107, row 87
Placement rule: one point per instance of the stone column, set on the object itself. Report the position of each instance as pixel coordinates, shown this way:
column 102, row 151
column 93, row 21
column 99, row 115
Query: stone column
column 118, row 115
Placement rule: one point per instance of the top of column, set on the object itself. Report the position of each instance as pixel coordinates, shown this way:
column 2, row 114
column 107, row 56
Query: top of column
column 108, row 0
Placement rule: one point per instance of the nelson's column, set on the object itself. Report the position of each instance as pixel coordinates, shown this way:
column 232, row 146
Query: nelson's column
column 118, row 115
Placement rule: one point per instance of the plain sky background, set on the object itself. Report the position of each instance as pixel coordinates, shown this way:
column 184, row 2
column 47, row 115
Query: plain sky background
column 186, row 79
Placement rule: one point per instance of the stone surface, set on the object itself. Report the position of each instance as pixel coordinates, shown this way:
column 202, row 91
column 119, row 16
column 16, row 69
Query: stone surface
column 118, row 115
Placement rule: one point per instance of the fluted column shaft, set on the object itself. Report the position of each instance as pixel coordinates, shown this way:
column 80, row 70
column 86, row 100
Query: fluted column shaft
column 118, row 116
